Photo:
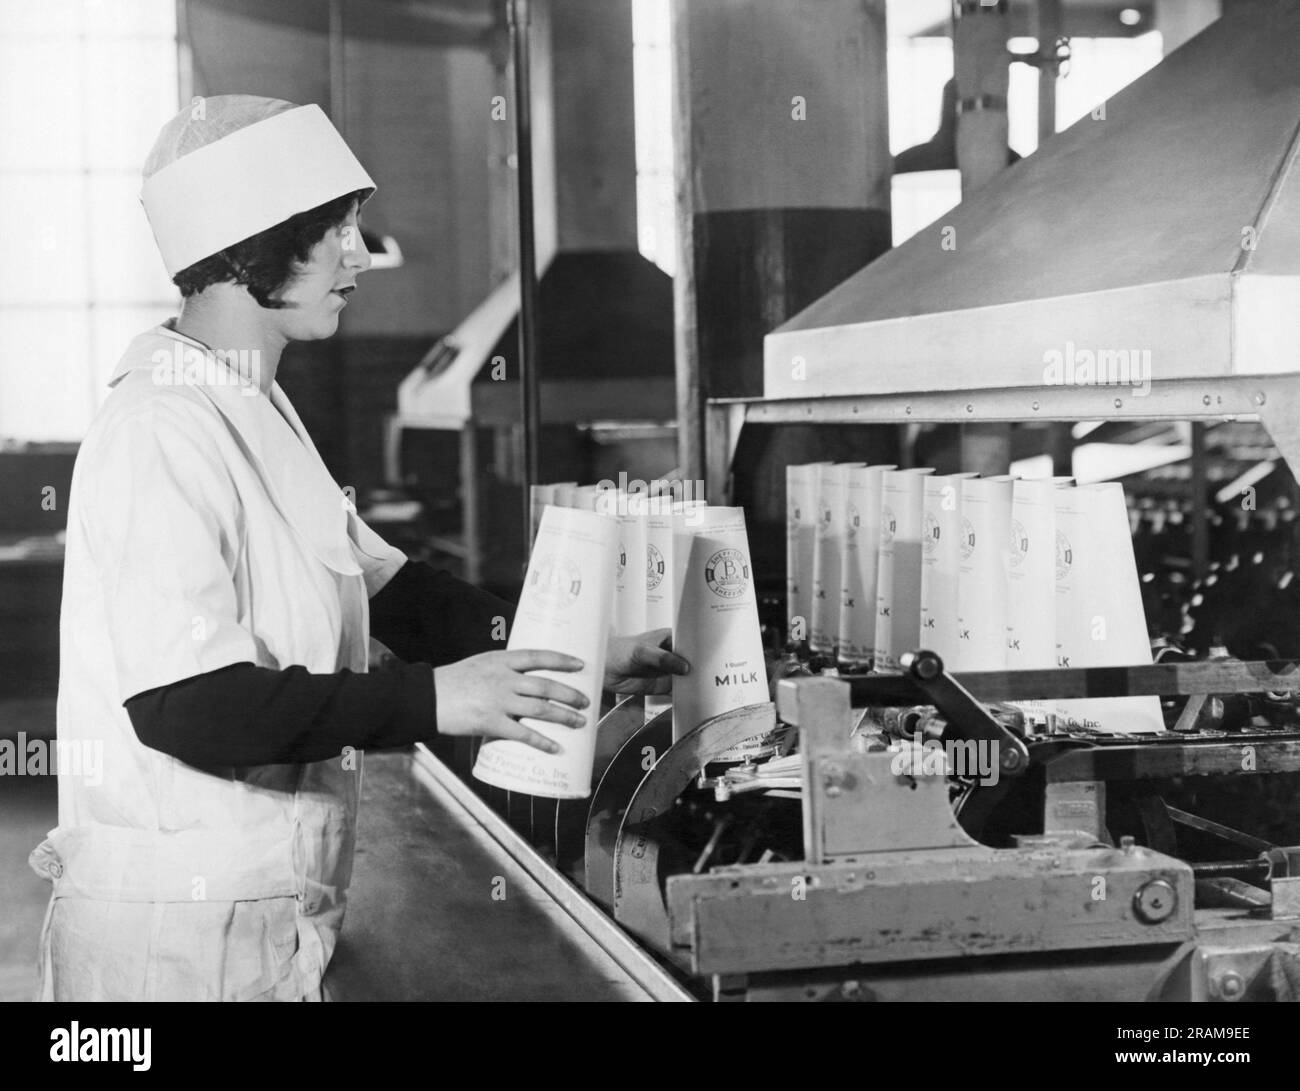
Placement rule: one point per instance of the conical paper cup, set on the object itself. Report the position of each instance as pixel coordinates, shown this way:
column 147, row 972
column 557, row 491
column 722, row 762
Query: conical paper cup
column 717, row 629
column 565, row 607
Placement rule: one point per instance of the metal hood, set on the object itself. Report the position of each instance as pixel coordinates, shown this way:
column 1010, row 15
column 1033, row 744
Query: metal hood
column 605, row 339
column 1168, row 225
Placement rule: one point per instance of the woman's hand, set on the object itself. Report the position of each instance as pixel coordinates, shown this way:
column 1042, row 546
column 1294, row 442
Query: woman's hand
column 642, row 663
column 487, row 694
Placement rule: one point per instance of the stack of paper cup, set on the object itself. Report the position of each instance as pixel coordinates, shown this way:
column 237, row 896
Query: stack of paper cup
column 941, row 563
column 859, row 564
column 898, row 579
column 832, row 502
column 1100, row 621
column 982, row 580
column 718, row 630
column 629, row 580
column 660, row 607
column 800, row 547
column 565, row 607
column 1031, row 600
column 688, row 516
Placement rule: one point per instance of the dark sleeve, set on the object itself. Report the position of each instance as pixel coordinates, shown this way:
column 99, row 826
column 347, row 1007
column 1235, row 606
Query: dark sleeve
column 249, row 715
column 426, row 615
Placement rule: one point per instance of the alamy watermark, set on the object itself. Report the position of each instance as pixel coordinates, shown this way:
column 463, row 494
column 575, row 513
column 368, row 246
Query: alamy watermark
column 654, row 497
column 970, row 759
column 188, row 365
column 24, row 757
column 1075, row 366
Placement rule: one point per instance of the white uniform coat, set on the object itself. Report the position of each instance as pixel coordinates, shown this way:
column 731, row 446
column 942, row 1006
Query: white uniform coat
column 203, row 531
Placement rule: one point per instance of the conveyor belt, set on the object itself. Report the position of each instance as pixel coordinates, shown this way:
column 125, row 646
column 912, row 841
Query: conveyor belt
column 422, row 922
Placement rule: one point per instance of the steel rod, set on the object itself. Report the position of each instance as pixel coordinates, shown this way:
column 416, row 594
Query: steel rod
column 530, row 413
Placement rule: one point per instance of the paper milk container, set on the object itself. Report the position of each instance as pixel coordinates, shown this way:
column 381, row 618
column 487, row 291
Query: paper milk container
column 940, row 562
column 564, row 607
column 832, row 498
column 1031, row 576
column 982, row 577
column 629, row 573
column 859, row 560
column 898, row 574
column 1100, row 621
column 718, row 630
column 800, row 547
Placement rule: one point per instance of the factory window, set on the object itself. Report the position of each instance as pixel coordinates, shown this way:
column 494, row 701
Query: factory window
column 652, row 72
column 84, row 86
column 920, row 66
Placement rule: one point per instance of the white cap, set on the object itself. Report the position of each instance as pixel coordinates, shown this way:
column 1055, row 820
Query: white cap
column 234, row 165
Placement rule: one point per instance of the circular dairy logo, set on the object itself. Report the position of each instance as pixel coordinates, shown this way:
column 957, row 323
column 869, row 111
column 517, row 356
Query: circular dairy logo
column 888, row 523
column 967, row 538
column 1019, row 543
column 555, row 581
column 727, row 573
column 931, row 533
column 854, row 522
column 654, row 567
column 1064, row 556
column 622, row 560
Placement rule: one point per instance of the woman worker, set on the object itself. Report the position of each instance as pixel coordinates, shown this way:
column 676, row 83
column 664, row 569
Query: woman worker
column 220, row 595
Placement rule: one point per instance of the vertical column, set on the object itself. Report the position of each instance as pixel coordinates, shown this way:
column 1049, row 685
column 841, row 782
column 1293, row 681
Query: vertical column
column 781, row 131
column 980, row 65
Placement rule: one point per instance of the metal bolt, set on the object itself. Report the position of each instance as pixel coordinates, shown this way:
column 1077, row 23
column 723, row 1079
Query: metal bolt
column 1231, row 984
column 1035, row 407
column 1205, row 400
column 1259, row 397
column 970, row 408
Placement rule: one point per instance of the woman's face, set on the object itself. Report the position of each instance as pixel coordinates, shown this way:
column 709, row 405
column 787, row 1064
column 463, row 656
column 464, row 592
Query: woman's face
column 319, row 291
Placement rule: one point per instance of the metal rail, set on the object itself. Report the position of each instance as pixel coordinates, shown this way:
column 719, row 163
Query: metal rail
column 1161, row 680
column 648, row 974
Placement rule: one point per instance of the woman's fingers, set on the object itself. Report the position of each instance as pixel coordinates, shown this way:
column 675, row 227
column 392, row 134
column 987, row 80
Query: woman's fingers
column 537, row 659
column 532, row 685
column 651, row 659
column 512, row 729
column 537, row 709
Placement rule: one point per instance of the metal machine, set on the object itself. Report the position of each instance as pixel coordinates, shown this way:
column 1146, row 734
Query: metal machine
column 890, row 893
column 857, row 864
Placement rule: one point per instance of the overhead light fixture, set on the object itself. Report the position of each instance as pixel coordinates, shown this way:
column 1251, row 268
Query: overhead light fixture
column 1130, row 17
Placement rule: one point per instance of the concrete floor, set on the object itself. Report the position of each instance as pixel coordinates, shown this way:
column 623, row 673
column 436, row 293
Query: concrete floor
column 28, row 811
column 422, row 923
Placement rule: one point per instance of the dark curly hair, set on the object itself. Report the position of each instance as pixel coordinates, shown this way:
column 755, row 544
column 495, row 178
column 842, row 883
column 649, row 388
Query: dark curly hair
column 267, row 261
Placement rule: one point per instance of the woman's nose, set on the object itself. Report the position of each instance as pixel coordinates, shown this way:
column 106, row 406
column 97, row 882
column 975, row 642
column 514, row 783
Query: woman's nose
column 358, row 257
